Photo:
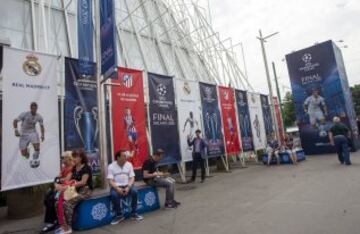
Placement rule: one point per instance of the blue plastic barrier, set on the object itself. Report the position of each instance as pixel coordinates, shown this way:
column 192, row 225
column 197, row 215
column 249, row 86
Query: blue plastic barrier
column 285, row 157
column 97, row 211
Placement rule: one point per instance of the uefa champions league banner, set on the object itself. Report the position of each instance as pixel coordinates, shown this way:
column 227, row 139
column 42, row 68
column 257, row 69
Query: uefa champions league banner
column 189, row 111
column 81, row 112
column 163, row 118
column 257, row 121
column 231, row 133
column 212, row 120
column 267, row 115
column 30, row 150
column 128, row 115
column 244, row 120
column 279, row 120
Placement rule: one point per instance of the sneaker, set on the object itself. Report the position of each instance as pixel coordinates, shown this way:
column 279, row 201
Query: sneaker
column 47, row 228
column 117, row 219
column 171, row 205
column 176, row 203
column 137, row 217
column 69, row 231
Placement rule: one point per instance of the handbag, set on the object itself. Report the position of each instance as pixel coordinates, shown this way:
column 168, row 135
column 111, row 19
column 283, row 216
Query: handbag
column 70, row 193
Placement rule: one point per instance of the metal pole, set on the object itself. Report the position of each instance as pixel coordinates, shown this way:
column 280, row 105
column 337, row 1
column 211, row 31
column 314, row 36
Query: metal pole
column 262, row 42
column 243, row 56
column 278, row 94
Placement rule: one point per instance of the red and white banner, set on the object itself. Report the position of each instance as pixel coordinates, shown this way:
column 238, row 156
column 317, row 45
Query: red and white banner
column 279, row 120
column 128, row 115
column 231, row 133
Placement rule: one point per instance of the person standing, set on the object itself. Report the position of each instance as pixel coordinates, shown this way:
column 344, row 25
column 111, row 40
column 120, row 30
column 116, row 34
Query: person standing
column 338, row 136
column 199, row 154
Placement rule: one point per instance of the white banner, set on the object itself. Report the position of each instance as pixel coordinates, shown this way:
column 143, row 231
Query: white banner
column 257, row 121
column 30, row 108
column 189, row 114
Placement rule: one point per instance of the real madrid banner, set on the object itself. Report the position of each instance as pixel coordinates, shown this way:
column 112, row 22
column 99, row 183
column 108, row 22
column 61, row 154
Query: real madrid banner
column 189, row 111
column 231, row 133
column 244, row 120
column 211, row 119
column 267, row 115
column 163, row 119
column 81, row 112
column 257, row 121
column 30, row 152
column 128, row 115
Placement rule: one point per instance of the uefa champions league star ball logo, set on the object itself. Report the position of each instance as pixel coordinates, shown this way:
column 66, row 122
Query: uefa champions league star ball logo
column 127, row 80
column 161, row 90
column 307, row 58
column 31, row 66
column 99, row 211
column 186, row 88
column 150, row 199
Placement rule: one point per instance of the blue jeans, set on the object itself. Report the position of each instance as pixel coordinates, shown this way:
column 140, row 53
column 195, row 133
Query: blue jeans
column 342, row 148
column 116, row 198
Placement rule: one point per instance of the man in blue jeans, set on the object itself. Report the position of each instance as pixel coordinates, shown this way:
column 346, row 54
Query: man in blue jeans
column 121, row 178
column 338, row 136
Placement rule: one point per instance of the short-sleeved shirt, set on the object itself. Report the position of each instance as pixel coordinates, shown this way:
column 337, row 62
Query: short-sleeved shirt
column 339, row 129
column 120, row 175
column 314, row 104
column 273, row 144
column 150, row 166
column 28, row 122
column 77, row 175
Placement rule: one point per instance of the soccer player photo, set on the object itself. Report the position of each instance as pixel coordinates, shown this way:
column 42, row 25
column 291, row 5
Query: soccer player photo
column 29, row 135
column 193, row 124
column 131, row 132
column 256, row 123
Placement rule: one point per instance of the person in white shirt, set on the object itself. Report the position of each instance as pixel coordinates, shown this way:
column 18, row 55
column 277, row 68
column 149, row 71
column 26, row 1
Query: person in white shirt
column 121, row 178
column 315, row 106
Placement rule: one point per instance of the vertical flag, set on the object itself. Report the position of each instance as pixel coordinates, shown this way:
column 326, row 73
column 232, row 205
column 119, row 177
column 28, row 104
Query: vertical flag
column 267, row 115
column 257, row 121
column 244, row 120
column 279, row 120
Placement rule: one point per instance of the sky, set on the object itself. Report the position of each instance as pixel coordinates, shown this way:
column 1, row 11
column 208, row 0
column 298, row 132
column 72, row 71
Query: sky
column 300, row 23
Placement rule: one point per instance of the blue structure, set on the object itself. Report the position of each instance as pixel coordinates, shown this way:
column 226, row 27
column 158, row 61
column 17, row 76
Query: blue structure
column 285, row 157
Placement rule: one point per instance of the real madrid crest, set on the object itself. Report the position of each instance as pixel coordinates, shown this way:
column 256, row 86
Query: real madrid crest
column 31, row 66
column 186, row 88
column 253, row 98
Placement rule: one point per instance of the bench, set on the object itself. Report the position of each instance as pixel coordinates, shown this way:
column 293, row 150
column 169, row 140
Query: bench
column 285, row 157
column 97, row 211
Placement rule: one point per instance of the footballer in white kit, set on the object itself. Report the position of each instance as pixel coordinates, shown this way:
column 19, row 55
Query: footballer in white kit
column 315, row 106
column 28, row 133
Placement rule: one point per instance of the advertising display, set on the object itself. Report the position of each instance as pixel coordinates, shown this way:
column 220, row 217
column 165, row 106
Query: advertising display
column 257, row 121
column 269, row 129
column 30, row 150
column 189, row 113
column 244, row 120
column 128, row 115
column 228, row 113
column 279, row 120
column 320, row 91
column 212, row 120
column 163, row 118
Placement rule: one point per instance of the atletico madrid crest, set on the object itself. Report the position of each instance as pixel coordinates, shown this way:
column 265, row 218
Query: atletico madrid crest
column 127, row 80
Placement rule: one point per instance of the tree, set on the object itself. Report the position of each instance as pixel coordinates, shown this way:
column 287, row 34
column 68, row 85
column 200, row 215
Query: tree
column 355, row 92
column 289, row 110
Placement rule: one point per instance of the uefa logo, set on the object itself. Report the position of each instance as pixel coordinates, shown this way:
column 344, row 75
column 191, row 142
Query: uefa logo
column 161, row 90
column 127, row 80
column 99, row 211
column 186, row 88
column 208, row 92
column 31, row 66
column 306, row 58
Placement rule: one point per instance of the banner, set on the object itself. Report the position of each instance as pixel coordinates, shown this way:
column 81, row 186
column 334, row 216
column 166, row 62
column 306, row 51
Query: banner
column 81, row 113
column 231, row 133
column 85, row 37
column 189, row 110
column 269, row 128
column 279, row 120
column 244, row 120
column 30, row 153
column 212, row 119
column 163, row 119
column 108, row 43
column 257, row 121
column 128, row 115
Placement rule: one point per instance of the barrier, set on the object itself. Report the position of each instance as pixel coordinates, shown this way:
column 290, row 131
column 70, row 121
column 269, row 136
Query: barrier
column 285, row 157
column 97, row 211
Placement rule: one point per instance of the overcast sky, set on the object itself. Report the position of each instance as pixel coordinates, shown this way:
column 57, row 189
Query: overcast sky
column 301, row 23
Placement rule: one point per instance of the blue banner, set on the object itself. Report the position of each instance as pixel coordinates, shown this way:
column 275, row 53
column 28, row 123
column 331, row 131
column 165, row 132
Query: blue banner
column 163, row 117
column 81, row 112
column 85, row 37
column 212, row 120
column 108, row 44
column 244, row 120
column 267, row 115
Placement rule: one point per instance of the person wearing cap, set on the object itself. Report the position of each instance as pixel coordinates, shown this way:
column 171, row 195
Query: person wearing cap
column 153, row 177
column 338, row 136
column 198, row 154
column 121, row 177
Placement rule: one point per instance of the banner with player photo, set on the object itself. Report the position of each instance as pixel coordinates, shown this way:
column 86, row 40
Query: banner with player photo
column 163, row 118
column 257, row 121
column 81, row 129
column 30, row 150
column 189, row 110
column 128, row 115
column 269, row 129
column 244, row 120
column 231, row 133
column 212, row 120
column 279, row 120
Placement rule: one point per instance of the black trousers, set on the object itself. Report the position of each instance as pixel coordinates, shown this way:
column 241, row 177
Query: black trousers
column 196, row 161
column 50, row 211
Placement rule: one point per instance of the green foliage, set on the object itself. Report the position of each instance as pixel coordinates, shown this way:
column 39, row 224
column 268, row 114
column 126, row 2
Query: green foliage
column 289, row 110
column 355, row 91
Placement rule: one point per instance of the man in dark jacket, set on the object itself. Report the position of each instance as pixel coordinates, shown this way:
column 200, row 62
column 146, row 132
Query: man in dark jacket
column 338, row 136
column 199, row 155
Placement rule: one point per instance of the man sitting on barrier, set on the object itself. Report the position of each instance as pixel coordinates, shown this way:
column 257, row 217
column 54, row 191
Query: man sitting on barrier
column 153, row 177
column 272, row 150
column 121, row 178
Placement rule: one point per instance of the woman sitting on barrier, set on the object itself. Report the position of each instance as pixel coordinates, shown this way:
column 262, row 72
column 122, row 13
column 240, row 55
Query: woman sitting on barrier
column 81, row 180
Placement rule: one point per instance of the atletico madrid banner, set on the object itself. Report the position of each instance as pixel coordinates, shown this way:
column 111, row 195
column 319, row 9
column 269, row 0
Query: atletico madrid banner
column 244, row 120
column 257, row 121
column 163, row 118
column 128, row 115
column 279, row 120
column 227, row 104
